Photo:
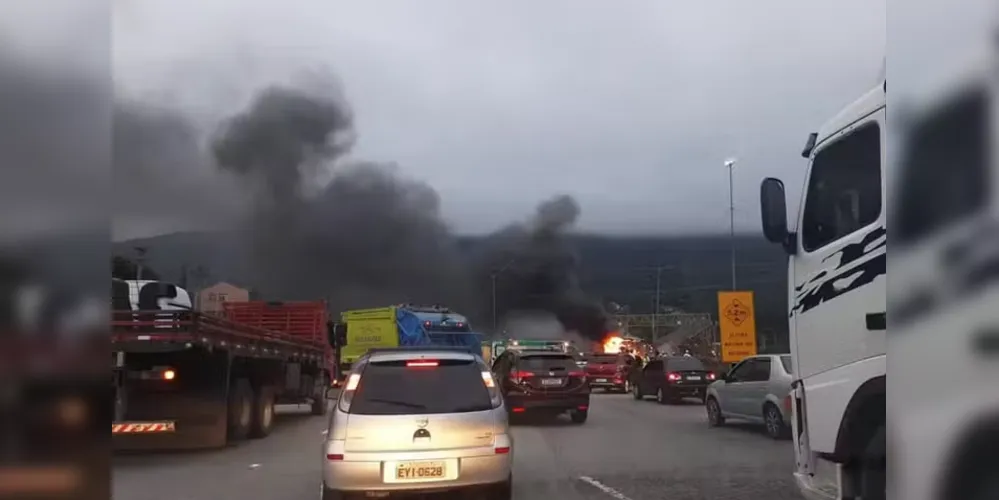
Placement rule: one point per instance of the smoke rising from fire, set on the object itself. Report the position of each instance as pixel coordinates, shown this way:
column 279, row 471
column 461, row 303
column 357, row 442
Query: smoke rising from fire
column 317, row 223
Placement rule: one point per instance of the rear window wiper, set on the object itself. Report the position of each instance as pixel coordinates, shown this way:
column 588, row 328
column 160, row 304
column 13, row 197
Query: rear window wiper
column 396, row 402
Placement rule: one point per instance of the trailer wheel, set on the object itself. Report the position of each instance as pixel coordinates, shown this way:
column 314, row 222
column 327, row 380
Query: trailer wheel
column 240, row 409
column 263, row 413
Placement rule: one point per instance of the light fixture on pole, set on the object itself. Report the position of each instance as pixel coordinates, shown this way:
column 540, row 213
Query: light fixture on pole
column 730, row 165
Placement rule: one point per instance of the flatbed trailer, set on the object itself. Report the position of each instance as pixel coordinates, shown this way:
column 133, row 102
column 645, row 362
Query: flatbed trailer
column 184, row 379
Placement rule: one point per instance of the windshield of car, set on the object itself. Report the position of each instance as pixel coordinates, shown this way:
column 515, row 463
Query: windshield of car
column 681, row 364
column 786, row 361
column 393, row 388
column 545, row 363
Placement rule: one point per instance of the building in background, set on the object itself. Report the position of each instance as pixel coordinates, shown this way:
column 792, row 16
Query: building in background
column 210, row 299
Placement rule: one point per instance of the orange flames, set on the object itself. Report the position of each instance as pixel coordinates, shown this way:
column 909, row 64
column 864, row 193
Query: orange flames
column 612, row 344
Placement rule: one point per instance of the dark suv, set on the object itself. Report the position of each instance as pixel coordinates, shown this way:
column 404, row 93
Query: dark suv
column 672, row 378
column 543, row 382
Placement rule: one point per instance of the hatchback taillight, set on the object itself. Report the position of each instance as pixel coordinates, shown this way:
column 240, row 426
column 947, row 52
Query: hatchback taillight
column 711, row 376
column 673, row 376
column 518, row 376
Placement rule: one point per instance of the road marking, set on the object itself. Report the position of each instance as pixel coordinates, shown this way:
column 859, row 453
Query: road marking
column 604, row 488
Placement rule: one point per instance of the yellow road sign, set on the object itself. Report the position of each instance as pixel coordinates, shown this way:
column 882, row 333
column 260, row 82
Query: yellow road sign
column 737, row 325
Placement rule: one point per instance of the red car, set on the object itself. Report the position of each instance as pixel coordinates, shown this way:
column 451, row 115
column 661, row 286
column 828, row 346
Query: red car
column 608, row 371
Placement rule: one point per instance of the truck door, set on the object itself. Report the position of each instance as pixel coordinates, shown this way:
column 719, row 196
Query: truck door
column 838, row 299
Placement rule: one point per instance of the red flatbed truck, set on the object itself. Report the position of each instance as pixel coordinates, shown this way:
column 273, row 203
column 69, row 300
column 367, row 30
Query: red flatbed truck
column 184, row 379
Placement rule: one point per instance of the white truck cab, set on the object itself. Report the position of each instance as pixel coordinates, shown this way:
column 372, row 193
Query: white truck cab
column 837, row 303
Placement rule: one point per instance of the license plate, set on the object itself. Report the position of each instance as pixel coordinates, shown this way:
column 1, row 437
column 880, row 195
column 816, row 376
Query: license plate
column 416, row 471
column 601, row 380
column 694, row 377
column 551, row 381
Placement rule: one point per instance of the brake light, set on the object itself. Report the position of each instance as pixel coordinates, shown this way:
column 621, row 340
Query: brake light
column 502, row 450
column 169, row 375
column 422, row 364
column 673, row 376
column 711, row 376
column 353, row 382
column 577, row 374
column 517, row 376
column 487, row 378
column 787, row 403
column 334, row 456
column 518, row 410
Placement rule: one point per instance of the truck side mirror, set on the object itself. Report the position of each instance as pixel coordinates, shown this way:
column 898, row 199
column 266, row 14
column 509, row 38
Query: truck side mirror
column 773, row 209
column 337, row 334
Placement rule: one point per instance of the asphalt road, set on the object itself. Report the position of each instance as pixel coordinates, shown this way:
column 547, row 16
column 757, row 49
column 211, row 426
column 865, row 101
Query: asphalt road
column 627, row 450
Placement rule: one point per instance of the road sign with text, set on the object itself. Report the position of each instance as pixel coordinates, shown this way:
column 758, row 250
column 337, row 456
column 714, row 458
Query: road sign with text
column 737, row 325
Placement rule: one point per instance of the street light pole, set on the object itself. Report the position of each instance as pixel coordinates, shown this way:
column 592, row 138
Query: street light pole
column 730, row 163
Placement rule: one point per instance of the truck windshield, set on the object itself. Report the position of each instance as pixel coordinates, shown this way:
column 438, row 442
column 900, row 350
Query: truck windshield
column 392, row 388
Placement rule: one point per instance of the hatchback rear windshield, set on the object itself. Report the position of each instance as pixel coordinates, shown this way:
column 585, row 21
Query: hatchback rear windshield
column 545, row 363
column 680, row 364
column 392, row 388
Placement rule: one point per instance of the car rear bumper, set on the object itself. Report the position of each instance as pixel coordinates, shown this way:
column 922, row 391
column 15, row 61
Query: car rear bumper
column 688, row 390
column 548, row 402
column 371, row 472
column 606, row 381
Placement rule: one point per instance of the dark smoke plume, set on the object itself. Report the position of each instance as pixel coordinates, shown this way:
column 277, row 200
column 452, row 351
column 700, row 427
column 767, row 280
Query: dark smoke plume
column 366, row 238
column 534, row 268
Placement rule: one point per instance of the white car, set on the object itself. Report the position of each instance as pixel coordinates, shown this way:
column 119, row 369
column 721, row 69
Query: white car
column 418, row 420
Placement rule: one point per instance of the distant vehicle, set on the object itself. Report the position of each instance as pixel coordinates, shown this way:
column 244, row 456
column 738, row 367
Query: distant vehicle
column 404, row 325
column 543, row 383
column 672, row 378
column 609, row 371
column 837, row 284
column 418, row 420
column 182, row 379
column 758, row 390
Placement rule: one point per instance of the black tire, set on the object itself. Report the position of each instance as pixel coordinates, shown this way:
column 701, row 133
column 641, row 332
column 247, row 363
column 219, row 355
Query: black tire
column 636, row 391
column 715, row 418
column 661, row 396
column 578, row 416
column 319, row 403
column 873, row 476
column 774, row 423
column 263, row 413
column 329, row 494
column 240, row 409
column 502, row 491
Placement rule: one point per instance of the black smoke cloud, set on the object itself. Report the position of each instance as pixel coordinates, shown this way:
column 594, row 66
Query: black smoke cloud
column 534, row 268
column 368, row 237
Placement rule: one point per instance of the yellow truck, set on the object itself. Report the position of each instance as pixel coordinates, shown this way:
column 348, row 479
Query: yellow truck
column 368, row 329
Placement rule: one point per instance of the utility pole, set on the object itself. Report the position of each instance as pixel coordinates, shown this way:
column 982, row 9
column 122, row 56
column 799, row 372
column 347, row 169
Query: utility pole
column 730, row 164
column 655, row 305
column 140, row 260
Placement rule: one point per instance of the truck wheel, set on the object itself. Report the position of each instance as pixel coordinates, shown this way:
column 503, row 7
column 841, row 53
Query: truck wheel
column 240, row 409
column 263, row 413
column 872, row 473
column 319, row 403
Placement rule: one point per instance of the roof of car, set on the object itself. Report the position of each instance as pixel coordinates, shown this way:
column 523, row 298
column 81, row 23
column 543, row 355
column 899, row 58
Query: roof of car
column 404, row 353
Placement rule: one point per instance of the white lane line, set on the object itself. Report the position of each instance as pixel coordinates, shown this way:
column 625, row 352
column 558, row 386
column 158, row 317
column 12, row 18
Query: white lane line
column 604, row 488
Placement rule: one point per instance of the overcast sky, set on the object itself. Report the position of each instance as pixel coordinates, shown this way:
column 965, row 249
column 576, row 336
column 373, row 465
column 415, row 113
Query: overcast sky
column 631, row 106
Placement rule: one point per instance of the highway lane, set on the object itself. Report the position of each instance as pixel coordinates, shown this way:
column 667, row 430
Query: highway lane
column 628, row 450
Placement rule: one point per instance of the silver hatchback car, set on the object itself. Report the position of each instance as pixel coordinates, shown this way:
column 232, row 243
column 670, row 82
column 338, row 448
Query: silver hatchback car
column 758, row 390
column 418, row 420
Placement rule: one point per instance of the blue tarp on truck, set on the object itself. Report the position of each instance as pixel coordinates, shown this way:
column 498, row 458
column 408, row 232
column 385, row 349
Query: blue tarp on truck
column 406, row 325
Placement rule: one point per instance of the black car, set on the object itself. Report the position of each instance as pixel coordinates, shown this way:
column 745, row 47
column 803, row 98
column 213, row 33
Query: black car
column 670, row 379
column 544, row 383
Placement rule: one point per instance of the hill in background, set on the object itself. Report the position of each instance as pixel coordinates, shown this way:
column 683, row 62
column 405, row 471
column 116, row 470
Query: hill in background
column 623, row 270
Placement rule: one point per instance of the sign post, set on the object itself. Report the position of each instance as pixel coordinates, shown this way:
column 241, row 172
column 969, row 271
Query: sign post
column 737, row 325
